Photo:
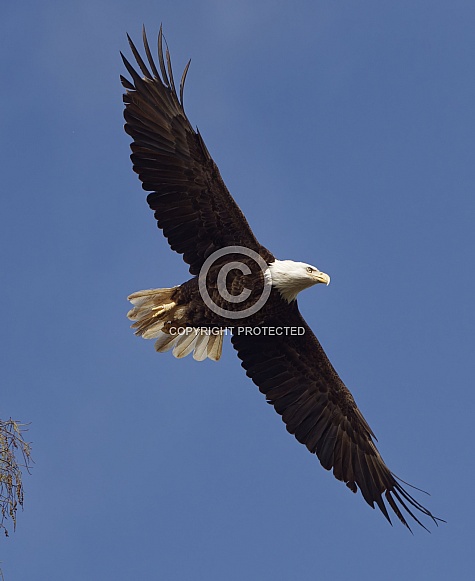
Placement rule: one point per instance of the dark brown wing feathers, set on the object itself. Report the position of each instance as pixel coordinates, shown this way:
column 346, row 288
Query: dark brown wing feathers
column 191, row 202
column 299, row 381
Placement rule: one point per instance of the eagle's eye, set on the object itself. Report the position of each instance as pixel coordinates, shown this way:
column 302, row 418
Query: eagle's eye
column 310, row 269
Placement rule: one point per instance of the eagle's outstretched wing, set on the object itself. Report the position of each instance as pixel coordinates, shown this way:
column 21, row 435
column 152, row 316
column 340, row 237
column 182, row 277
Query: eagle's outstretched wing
column 298, row 379
column 191, row 202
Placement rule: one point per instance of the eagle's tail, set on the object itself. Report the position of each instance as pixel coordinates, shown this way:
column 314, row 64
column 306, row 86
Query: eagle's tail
column 157, row 316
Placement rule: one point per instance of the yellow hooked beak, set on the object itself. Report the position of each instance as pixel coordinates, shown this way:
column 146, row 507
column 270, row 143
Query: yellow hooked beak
column 322, row 277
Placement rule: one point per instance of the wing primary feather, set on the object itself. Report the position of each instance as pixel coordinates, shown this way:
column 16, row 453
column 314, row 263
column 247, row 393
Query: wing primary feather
column 382, row 507
column 138, row 58
column 161, row 61
column 182, row 82
column 169, row 66
column 149, row 54
column 396, row 510
column 126, row 84
column 380, row 483
column 411, row 485
column 363, row 479
column 131, row 70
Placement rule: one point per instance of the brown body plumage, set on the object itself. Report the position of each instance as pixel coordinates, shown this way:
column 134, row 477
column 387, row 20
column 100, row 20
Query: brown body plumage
column 198, row 216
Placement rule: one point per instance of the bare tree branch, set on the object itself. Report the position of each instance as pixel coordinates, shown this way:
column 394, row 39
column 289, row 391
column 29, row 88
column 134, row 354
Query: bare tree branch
column 15, row 454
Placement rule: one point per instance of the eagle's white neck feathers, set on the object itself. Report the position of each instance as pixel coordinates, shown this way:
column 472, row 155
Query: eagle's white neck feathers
column 290, row 277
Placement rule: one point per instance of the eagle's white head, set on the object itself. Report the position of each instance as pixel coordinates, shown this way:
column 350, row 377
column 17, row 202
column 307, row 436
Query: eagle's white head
column 290, row 277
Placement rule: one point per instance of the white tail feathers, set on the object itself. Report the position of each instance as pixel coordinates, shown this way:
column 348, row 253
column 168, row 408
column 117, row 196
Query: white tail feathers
column 155, row 313
column 201, row 341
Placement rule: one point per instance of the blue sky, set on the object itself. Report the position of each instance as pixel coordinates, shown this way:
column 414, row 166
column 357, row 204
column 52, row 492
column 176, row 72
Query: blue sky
column 345, row 131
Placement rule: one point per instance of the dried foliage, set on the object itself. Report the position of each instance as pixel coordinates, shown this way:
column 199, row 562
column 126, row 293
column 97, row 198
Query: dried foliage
column 14, row 455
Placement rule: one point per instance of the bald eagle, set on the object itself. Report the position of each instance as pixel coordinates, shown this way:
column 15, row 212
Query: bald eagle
column 238, row 286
